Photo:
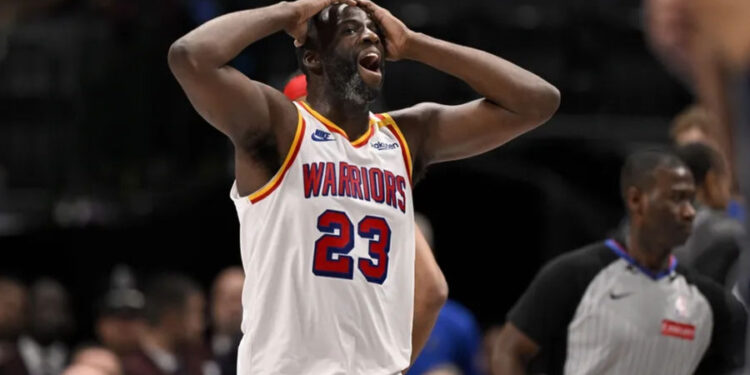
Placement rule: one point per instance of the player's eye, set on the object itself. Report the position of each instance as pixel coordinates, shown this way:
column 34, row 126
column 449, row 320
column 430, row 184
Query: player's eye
column 349, row 30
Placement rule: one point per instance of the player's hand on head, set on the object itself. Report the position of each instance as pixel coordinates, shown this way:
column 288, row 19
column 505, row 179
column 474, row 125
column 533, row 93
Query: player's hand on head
column 396, row 33
column 303, row 11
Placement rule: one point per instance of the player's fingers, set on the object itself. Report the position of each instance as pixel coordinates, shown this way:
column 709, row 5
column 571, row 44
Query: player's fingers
column 299, row 34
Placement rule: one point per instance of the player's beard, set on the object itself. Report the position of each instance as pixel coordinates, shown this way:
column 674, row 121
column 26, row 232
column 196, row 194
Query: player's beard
column 344, row 78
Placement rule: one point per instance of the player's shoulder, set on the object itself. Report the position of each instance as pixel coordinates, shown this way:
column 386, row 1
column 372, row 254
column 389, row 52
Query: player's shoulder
column 415, row 120
column 415, row 115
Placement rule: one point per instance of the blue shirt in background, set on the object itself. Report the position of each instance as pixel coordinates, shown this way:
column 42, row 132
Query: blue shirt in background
column 455, row 341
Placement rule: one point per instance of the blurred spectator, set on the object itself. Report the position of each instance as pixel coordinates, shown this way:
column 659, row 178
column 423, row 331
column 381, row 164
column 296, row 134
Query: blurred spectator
column 714, row 245
column 43, row 348
column 171, row 344
column 81, row 369
column 694, row 124
column 13, row 306
column 455, row 342
column 226, row 318
column 99, row 358
column 120, row 323
column 13, row 312
column 698, row 124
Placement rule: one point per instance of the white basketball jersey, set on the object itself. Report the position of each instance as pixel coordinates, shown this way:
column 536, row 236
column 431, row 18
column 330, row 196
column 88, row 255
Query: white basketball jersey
column 328, row 251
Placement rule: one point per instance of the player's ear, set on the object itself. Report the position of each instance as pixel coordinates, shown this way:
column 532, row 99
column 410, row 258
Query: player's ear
column 311, row 60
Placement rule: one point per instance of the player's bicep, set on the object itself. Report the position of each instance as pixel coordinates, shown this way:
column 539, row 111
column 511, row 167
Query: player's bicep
column 470, row 129
column 226, row 98
column 443, row 132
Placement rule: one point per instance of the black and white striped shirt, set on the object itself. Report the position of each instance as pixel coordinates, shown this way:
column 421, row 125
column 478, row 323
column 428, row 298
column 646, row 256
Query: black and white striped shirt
column 596, row 311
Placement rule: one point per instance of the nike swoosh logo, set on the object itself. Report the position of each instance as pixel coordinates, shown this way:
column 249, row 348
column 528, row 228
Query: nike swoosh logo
column 614, row 295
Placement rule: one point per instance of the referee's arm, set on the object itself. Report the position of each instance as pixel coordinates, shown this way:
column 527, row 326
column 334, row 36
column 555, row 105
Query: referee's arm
column 541, row 315
column 726, row 353
column 513, row 351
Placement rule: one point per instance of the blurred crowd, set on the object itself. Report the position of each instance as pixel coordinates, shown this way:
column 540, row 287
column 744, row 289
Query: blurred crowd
column 160, row 328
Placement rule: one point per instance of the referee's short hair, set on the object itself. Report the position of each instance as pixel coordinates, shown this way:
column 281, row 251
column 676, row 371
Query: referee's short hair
column 701, row 158
column 639, row 169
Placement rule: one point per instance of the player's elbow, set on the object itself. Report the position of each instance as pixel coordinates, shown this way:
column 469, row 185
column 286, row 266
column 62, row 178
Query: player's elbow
column 436, row 292
column 181, row 57
column 545, row 100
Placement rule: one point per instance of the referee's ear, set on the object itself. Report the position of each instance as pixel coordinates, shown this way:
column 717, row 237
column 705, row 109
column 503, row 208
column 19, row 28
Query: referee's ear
column 634, row 201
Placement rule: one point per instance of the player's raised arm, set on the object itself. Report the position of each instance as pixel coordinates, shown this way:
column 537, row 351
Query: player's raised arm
column 227, row 99
column 515, row 100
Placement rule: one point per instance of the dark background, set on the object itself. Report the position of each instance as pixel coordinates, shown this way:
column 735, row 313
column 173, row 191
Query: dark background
column 104, row 161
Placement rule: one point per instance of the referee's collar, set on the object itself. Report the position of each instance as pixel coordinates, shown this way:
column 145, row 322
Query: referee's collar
column 620, row 250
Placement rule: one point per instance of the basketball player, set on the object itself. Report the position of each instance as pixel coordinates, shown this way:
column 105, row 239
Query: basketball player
column 624, row 306
column 323, row 188
column 430, row 287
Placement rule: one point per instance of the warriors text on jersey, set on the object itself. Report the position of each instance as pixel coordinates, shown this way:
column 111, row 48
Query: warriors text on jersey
column 328, row 250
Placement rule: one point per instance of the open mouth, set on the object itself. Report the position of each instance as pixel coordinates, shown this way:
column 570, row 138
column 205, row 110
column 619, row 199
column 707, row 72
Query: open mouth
column 370, row 62
column 369, row 69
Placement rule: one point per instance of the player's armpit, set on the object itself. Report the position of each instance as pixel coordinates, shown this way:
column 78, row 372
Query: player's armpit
column 512, row 351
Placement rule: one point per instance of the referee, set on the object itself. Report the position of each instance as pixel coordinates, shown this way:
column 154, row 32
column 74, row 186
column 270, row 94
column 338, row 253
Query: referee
column 624, row 306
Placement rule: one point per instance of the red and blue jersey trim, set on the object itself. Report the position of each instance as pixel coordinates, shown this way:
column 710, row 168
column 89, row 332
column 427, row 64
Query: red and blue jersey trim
column 387, row 121
column 357, row 143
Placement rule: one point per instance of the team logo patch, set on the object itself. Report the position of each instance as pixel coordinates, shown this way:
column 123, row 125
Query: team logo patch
column 322, row 136
column 380, row 146
column 678, row 330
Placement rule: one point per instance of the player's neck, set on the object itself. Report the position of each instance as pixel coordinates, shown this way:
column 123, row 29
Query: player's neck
column 649, row 255
column 353, row 118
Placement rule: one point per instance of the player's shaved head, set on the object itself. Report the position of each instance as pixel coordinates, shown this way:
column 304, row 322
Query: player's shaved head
column 639, row 169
